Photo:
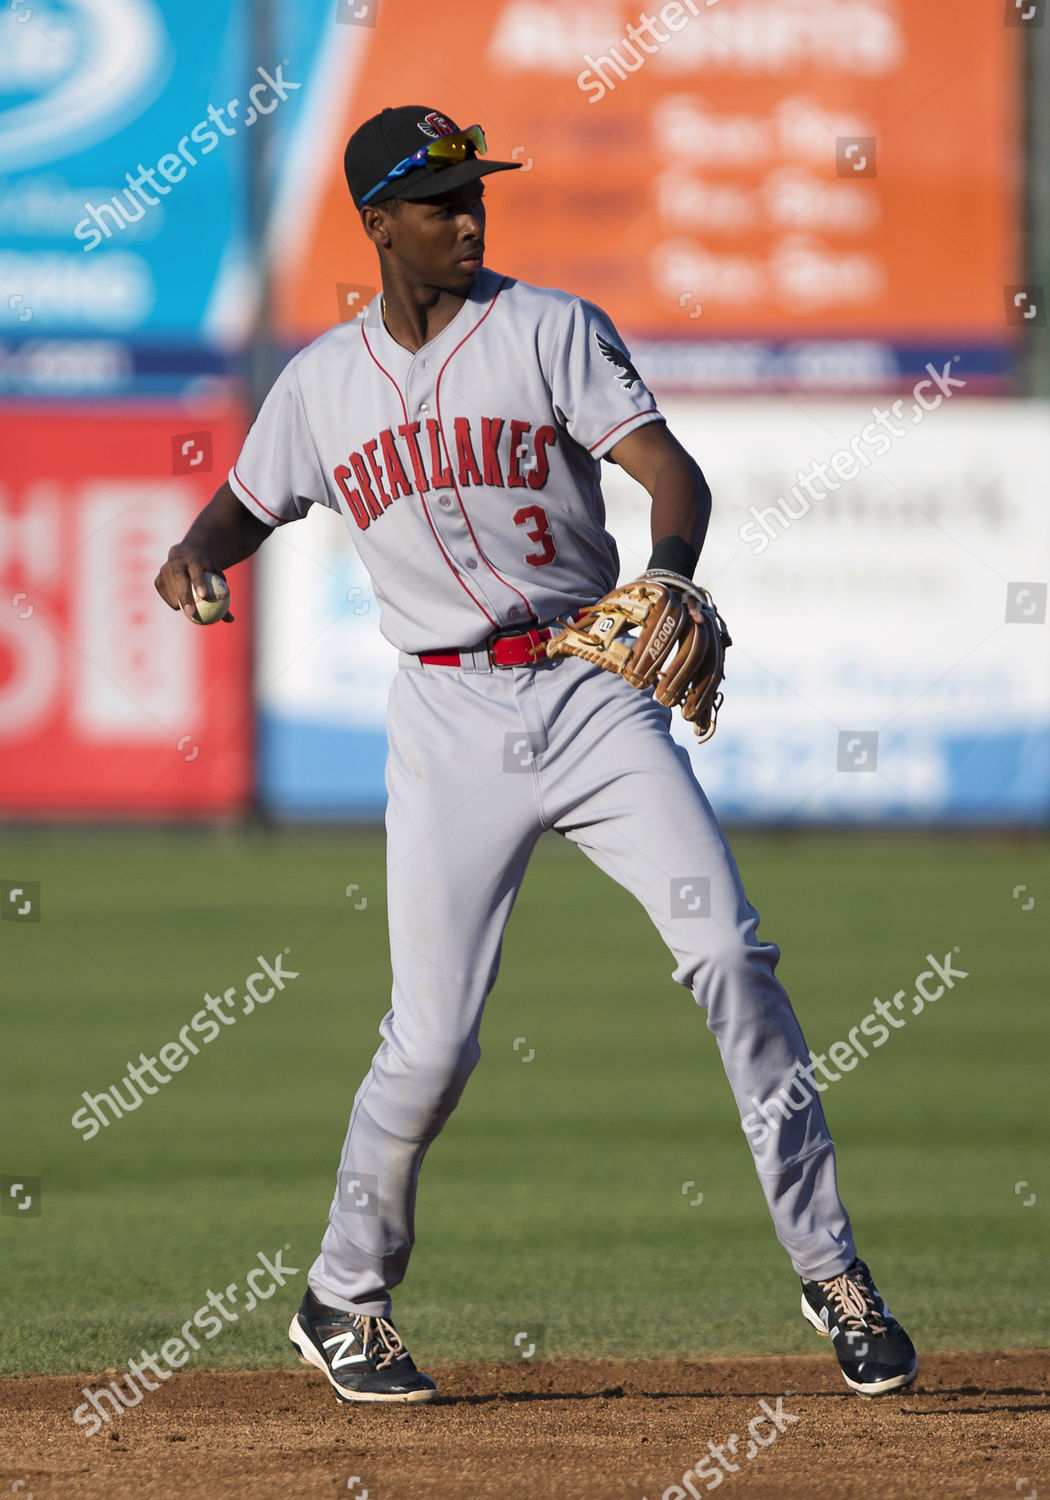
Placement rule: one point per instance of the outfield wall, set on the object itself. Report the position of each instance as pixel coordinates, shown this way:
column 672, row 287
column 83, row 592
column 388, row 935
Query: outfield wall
column 775, row 202
column 883, row 572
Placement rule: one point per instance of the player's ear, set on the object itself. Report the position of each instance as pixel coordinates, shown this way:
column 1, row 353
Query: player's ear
column 376, row 224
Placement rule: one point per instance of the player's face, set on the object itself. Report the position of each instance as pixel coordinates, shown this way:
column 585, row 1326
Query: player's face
column 441, row 241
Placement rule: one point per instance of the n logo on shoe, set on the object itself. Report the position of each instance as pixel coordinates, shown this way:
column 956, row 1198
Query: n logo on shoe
column 340, row 1357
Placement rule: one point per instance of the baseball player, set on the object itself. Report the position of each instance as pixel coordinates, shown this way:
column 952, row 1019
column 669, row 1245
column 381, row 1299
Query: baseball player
column 458, row 429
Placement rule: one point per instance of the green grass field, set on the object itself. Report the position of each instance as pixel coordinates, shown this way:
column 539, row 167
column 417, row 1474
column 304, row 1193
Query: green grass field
column 553, row 1202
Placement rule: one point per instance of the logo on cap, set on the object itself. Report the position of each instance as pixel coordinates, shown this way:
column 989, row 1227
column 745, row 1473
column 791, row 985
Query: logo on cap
column 435, row 125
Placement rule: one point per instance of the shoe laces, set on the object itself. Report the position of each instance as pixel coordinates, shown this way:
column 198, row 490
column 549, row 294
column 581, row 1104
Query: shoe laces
column 853, row 1298
column 381, row 1344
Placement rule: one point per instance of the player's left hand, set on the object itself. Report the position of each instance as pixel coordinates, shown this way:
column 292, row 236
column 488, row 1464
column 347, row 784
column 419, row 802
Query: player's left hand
column 678, row 651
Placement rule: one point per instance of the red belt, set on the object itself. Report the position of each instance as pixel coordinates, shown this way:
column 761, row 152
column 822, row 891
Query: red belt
column 511, row 649
column 520, row 650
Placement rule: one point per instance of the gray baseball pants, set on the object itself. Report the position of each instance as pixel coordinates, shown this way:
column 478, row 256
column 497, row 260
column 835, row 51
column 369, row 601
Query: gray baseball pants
column 481, row 762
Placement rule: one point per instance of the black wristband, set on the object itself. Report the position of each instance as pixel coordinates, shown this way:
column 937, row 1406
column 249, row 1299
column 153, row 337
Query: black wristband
column 673, row 554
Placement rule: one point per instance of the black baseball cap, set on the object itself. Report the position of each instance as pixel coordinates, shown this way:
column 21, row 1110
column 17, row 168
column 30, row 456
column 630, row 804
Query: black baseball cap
column 377, row 146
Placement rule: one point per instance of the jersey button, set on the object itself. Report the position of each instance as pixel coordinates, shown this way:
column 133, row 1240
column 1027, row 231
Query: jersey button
column 513, row 612
column 445, row 502
column 424, row 406
column 472, row 562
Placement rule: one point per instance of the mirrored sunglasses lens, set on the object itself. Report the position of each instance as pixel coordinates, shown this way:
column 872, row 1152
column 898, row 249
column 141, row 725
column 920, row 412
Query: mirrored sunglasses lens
column 452, row 149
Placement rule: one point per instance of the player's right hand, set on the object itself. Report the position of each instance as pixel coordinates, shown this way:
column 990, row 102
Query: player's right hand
column 180, row 582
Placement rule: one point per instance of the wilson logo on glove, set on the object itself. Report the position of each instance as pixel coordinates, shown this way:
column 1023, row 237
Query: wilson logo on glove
column 678, row 649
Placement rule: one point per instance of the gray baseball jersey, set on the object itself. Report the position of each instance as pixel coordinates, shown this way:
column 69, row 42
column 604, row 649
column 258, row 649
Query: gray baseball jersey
column 468, row 473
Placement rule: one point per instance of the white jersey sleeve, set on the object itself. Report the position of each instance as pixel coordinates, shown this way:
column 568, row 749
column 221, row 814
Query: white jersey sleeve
column 598, row 394
column 278, row 475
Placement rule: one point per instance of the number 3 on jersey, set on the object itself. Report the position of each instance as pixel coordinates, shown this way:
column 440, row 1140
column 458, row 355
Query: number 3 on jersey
column 534, row 518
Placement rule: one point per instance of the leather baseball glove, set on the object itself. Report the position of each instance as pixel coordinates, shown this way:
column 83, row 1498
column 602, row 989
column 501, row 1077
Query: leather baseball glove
column 679, row 649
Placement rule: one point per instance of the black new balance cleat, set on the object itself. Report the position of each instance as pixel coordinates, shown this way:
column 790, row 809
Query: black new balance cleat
column 874, row 1353
column 363, row 1357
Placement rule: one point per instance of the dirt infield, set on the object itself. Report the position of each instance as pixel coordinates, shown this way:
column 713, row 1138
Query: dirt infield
column 975, row 1424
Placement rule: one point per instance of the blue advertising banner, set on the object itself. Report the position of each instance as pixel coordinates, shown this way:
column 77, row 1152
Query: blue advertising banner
column 126, row 133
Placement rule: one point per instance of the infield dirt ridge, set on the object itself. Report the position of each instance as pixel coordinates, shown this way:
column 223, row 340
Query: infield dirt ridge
column 973, row 1424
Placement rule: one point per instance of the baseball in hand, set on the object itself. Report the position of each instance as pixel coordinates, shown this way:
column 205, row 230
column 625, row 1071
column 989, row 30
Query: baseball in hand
column 216, row 602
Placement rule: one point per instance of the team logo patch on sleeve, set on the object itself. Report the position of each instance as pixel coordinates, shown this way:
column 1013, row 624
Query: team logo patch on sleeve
column 627, row 373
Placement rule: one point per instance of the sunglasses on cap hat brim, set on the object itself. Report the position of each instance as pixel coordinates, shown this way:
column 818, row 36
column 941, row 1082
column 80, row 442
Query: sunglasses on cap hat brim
column 445, row 151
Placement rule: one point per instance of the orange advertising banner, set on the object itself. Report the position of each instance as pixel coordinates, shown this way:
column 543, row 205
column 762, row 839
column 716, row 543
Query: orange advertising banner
column 779, row 169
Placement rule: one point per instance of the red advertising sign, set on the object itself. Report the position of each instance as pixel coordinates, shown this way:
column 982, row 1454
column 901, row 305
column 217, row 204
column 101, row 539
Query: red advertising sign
column 110, row 703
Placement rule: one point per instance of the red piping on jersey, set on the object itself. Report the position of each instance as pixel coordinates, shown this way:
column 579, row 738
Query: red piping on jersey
column 422, row 503
column 279, row 519
column 386, row 372
column 441, row 429
column 624, row 423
